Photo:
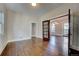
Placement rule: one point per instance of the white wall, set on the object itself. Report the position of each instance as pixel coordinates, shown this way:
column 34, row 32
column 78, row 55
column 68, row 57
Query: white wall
column 19, row 26
column 3, row 37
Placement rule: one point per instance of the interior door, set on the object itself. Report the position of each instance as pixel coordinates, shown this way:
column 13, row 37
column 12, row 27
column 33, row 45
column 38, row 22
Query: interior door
column 46, row 30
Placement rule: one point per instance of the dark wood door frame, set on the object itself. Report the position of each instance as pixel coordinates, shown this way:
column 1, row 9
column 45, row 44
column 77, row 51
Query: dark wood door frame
column 69, row 32
column 44, row 38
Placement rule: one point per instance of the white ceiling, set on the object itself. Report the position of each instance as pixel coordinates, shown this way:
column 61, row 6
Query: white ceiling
column 26, row 8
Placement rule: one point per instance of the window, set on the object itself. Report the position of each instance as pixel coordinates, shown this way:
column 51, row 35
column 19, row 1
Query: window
column 1, row 23
column 66, row 26
column 53, row 28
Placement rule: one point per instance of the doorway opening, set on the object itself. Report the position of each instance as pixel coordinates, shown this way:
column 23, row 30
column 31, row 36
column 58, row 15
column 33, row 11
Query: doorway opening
column 33, row 30
column 59, row 34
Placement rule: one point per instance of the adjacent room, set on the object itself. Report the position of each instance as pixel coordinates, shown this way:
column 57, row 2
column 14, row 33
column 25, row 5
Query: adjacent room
column 39, row 29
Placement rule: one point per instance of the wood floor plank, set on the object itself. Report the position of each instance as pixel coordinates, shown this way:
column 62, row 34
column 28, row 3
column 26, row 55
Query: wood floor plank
column 57, row 46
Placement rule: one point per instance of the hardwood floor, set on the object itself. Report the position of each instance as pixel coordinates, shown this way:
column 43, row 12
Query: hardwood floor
column 57, row 46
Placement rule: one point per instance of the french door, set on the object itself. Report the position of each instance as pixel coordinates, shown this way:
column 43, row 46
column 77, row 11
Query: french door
column 46, row 30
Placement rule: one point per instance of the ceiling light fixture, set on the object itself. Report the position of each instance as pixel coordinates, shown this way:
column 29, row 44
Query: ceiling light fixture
column 33, row 4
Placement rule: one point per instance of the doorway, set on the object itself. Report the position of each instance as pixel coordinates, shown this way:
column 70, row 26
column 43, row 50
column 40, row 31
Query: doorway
column 33, row 30
column 59, row 34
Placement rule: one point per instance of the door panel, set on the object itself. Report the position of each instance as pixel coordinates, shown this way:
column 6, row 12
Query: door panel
column 46, row 30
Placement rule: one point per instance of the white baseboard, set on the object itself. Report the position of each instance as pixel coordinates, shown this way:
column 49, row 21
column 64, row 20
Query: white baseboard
column 3, row 47
column 19, row 39
column 39, row 37
column 15, row 41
